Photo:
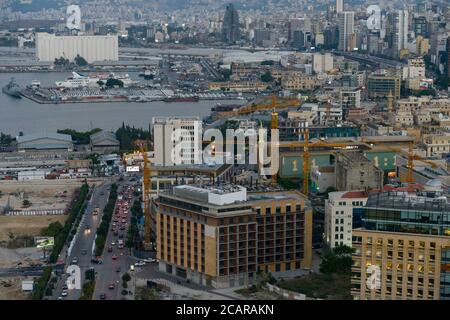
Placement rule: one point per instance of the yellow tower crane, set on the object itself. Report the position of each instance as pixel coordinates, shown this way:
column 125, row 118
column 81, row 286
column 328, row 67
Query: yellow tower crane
column 147, row 199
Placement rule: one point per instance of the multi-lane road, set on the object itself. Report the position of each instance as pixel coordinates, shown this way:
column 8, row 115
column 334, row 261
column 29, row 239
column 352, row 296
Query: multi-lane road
column 82, row 249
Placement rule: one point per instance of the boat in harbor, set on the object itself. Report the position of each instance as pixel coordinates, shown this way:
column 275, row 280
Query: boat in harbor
column 78, row 80
column 12, row 89
column 182, row 99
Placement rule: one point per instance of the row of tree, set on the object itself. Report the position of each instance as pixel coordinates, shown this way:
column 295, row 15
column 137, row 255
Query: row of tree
column 64, row 62
column 108, row 211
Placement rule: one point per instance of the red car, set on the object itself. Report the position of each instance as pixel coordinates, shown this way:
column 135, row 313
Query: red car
column 111, row 286
column 114, row 257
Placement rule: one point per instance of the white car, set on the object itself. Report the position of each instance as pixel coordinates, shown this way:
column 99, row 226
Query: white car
column 149, row 260
column 139, row 264
column 64, row 293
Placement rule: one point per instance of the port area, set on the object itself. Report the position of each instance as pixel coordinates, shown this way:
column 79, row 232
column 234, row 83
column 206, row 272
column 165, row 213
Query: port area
column 89, row 95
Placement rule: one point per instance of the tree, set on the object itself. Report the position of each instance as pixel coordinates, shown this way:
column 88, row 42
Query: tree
column 111, row 82
column 338, row 260
column 126, row 277
column 267, row 77
column 80, row 61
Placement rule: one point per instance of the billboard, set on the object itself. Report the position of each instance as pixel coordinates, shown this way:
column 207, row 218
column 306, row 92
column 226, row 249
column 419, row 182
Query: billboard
column 132, row 168
column 425, row 84
column 44, row 242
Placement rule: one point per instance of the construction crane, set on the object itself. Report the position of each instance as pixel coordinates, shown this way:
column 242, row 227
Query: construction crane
column 146, row 199
column 411, row 157
column 268, row 103
column 306, row 144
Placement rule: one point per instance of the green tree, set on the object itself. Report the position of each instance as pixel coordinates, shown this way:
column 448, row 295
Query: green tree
column 267, row 77
column 338, row 260
column 80, row 61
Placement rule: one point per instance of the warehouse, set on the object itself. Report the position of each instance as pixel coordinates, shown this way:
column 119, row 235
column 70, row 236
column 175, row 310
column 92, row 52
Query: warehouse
column 45, row 142
column 104, row 142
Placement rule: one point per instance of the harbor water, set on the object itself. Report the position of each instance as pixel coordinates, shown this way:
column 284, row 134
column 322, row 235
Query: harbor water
column 24, row 115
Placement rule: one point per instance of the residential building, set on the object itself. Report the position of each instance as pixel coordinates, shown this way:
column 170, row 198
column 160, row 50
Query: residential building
column 177, row 140
column 343, row 212
column 322, row 63
column 220, row 236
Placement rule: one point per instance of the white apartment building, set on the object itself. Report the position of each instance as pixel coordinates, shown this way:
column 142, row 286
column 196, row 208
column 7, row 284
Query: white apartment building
column 350, row 98
column 322, row 63
column 341, row 210
column 91, row 48
column 177, row 141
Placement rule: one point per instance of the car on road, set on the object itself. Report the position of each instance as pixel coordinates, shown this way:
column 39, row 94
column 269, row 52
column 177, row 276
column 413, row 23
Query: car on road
column 111, row 286
column 64, row 287
column 114, row 257
column 118, row 269
column 139, row 264
column 102, row 296
column 149, row 260
column 84, row 252
column 74, row 260
column 113, row 243
column 87, row 227
column 116, row 233
column 64, row 293
column 97, row 260
column 110, row 249
column 122, row 227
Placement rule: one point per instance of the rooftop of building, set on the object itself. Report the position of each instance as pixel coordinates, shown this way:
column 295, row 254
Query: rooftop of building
column 358, row 194
column 405, row 200
column 228, row 195
column 37, row 136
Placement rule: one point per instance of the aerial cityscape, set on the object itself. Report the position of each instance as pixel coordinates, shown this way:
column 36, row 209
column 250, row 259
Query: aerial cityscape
column 225, row 150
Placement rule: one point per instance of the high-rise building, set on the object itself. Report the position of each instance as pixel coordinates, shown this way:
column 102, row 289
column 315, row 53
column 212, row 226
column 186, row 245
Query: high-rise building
column 404, row 245
column 230, row 27
column 400, row 37
column 420, row 26
column 339, row 6
column 177, row 140
column 346, row 30
column 448, row 57
column 221, row 236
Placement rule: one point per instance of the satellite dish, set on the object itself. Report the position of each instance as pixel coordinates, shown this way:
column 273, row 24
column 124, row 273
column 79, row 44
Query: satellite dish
column 74, row 17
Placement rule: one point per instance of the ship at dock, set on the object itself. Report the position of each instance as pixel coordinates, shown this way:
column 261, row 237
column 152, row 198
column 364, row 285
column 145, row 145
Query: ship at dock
column 12, row 89
column 182, row 99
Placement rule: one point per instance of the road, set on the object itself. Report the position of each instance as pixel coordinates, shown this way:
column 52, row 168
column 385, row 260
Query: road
column 85, row 239
column 111, row 271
